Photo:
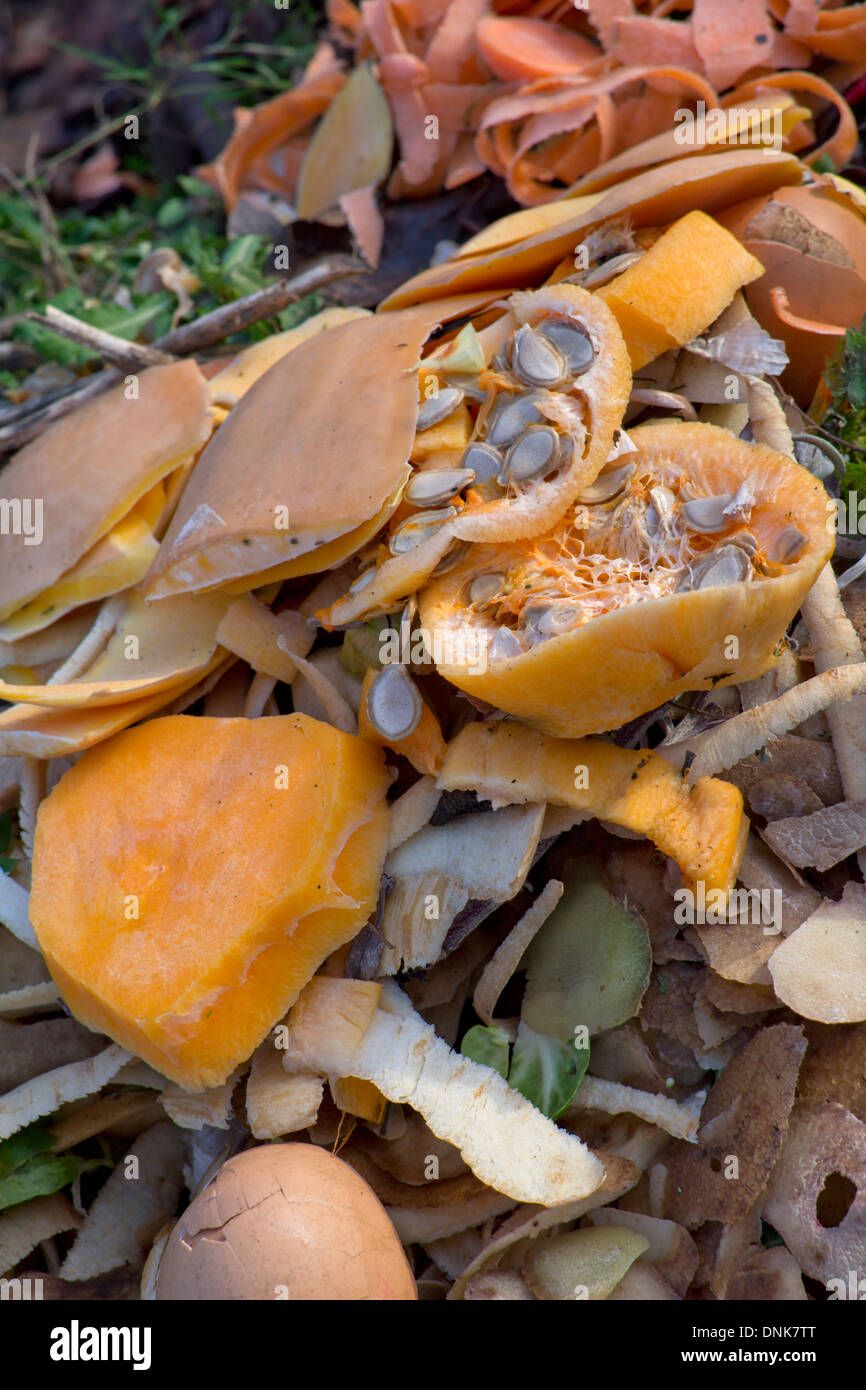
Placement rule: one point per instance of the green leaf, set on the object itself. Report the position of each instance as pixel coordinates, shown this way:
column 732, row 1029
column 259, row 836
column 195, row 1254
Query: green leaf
column 172, row 212
column 546, row 1071
column 43, row 1174
column 487, row 1046
column 824, row 165
column 22, row 1147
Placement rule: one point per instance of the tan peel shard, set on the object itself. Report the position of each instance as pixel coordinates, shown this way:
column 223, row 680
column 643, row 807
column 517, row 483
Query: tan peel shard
column 506, row 1142
column 314, row 450
column 90, row 468
column 152, row 649
column 243, row 371
column 650, row 199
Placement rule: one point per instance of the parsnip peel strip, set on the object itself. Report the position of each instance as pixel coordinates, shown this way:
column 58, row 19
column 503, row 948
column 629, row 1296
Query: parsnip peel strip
column 506, row 1142
column 48, row 1092
column 507, row 957
column 738, row 737
column 677, row 1118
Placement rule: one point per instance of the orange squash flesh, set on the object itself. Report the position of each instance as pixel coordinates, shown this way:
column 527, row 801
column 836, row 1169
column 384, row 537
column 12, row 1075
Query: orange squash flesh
column 678, row 287
column 191, row 874
column 637, row 650
column 701, row 827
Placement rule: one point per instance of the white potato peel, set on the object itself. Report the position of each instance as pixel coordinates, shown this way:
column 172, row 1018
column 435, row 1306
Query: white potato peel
column 506, row 1142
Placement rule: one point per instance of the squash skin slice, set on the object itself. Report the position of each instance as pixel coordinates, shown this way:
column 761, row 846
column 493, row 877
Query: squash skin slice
column 702, row 827
column 632, row 659
column 227, row 934
column 91, row 468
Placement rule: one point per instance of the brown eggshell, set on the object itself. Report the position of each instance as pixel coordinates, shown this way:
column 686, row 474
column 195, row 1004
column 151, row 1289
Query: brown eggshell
column 817, row 285
column 285, row 1222
column 817, row 290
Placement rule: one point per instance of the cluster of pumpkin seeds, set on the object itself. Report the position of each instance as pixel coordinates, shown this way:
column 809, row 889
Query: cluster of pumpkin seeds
column 631, row 538
column 516, row 445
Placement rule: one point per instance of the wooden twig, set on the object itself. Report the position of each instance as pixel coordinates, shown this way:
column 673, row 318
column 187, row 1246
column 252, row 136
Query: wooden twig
column 119, row 352
column 262, row 304
column 21, row 425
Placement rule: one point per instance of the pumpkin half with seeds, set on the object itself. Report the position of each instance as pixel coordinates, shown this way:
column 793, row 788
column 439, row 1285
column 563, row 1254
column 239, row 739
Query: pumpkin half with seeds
column 511, row 425
column 679, row 569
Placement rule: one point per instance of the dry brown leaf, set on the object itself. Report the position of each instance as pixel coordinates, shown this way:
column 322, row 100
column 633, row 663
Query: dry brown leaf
column 29, row 1049
column 137, row 1110
column 136, row 1200
column 417, row 1157
column 767, row 1276
column 745, row 1119
column 834, row 1067
column 821, row 839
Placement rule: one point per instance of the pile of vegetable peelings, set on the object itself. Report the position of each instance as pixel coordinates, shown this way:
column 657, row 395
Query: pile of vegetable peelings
column 435, row 766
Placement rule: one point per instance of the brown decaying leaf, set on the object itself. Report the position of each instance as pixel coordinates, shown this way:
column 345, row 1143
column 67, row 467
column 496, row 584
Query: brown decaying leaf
column 834, row 1067
column 29, row 1049
column 745, row 1117
column 821, row 839
column 126, row 1214
column 115, row 1286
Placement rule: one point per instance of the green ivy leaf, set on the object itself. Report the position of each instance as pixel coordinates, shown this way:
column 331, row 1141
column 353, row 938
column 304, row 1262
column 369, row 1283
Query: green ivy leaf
column 22, row 1147
column 546, row 1071
column 487, row 1046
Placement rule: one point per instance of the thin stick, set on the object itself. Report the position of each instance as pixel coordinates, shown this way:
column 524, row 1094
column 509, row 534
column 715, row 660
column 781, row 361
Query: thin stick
column 262, row 304
column 23, row 425
column 120, row 352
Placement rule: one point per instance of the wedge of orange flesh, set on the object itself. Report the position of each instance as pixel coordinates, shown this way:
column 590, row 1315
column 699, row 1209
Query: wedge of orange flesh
column 191, row 874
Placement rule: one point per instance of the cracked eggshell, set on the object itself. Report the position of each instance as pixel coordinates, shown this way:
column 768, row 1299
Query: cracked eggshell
column 285, row 1221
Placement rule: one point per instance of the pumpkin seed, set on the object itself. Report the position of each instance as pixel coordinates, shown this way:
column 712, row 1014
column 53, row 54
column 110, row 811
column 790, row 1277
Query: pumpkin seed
column 508, row 421
column 600, row 274
column 437, row 485
column 551, row 620
column 536, row 360
column 727, row 565
column 437, row 408
column 660, row 510
column 607, row 485
column 707, row 514
column 482, row 460
column 394, row 705
column 482, row 589
column 451, row 558
column 787, row 546
column 504, row 645
column 746, row 541
column 573, row 342
column 534, row 454
column 818, row 455
column 363, row 580
column 417, row 529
